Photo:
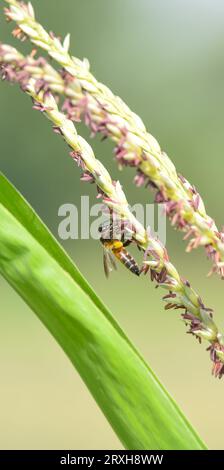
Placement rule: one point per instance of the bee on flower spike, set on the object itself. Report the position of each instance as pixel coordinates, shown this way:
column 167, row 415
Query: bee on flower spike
column 114, row 246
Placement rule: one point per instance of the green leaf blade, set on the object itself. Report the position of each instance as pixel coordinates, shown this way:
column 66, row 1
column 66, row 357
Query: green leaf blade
column 138, row 407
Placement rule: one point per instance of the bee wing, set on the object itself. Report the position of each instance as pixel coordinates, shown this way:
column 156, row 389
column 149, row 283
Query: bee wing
column 108, row 262
column 112, row 260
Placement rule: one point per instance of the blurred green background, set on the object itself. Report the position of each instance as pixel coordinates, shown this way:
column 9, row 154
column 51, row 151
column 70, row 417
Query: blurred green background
column 166, row 60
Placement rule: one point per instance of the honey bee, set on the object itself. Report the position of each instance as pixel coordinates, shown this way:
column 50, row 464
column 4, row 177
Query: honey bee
column 115, row 247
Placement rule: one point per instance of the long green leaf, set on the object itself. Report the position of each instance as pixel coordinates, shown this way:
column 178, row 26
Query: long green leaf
column 138, row 407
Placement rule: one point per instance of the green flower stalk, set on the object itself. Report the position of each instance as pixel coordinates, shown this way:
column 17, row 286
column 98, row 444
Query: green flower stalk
column 108, row 114
column 156, row 261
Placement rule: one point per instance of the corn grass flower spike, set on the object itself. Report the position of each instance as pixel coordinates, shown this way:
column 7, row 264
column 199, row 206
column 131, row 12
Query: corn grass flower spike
column 108, row 114
column 156, row 260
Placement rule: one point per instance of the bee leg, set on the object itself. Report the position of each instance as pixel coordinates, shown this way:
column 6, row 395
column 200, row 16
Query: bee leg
column 127, row 243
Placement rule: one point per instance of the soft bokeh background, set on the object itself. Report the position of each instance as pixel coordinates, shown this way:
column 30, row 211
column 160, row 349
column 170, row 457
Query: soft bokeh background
column 166, row 59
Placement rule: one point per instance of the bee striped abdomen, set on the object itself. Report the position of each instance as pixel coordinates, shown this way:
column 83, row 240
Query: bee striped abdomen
column 128, row 260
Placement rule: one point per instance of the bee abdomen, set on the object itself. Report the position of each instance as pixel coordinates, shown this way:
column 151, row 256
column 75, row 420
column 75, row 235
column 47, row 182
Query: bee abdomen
column 128, row 261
